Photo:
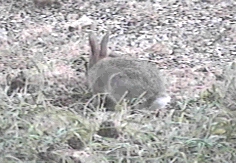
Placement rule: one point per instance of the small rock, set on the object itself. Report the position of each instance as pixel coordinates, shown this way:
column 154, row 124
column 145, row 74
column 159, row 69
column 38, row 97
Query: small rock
column 107, row 129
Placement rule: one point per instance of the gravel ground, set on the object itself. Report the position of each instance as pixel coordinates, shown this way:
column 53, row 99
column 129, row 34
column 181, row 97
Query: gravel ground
column 190, row 41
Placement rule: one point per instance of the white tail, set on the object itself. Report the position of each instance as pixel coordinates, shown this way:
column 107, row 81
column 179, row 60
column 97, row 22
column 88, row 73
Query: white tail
column 160, row 102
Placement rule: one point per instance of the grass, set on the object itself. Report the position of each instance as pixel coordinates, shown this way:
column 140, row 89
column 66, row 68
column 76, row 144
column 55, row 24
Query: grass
column 193, row 130
column 46, row 113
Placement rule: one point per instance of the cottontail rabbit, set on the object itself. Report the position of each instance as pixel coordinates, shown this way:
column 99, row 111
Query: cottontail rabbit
column 119, row 75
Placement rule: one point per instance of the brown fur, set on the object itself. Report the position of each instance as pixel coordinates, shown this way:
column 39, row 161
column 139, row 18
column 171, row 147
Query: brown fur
column 116, row 76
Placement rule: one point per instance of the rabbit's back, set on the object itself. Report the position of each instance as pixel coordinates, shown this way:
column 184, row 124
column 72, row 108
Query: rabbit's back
column 117, row 75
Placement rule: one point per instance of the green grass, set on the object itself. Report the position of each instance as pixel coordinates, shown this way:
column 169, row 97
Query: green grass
column 52, row 120
column 194, row 130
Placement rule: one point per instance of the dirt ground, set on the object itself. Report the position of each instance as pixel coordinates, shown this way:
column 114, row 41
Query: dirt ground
column 190, row 41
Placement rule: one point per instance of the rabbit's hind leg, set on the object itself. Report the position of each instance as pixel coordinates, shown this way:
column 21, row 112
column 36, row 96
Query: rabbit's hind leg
column 110, row 103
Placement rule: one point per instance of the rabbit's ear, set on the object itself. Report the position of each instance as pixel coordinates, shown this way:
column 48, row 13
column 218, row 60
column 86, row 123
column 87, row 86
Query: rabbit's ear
column 103, row 49
column 95, row 50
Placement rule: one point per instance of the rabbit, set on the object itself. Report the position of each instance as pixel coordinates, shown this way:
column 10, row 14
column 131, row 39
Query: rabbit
column 116, row 76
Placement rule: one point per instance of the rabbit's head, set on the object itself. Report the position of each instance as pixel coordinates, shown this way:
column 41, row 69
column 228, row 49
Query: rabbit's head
column 98, row 51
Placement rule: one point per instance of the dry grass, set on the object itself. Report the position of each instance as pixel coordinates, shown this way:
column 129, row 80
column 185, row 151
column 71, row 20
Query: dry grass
column 34, row 130
column 46, row 111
